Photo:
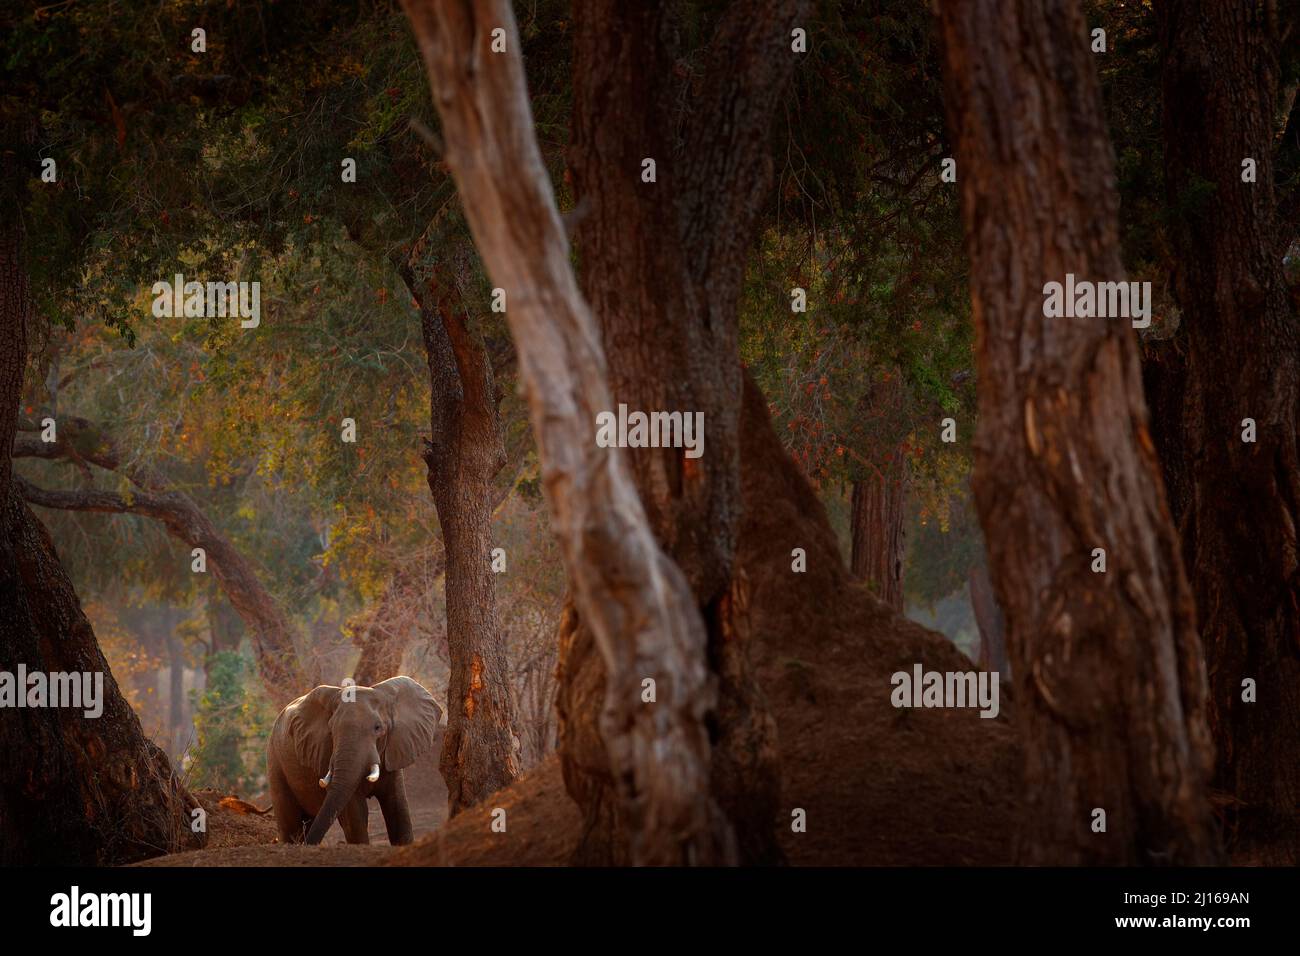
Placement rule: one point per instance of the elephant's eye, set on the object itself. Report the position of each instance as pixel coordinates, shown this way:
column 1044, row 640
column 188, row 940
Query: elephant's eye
column 378, row 728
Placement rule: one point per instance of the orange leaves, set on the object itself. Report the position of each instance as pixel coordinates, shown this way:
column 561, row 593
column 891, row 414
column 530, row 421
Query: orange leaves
column 235, row 805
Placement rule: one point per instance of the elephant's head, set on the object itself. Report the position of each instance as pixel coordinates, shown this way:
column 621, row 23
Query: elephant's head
column 346, row 736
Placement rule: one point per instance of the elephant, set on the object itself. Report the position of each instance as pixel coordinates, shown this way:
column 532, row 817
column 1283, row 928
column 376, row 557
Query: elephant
column 335, row 747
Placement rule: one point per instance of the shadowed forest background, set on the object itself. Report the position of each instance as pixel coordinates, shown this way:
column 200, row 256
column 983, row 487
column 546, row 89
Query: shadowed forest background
column 904, row 463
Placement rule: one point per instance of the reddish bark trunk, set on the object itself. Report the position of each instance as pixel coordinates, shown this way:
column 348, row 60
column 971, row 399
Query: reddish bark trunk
column 662, row 265
column 878, row 538
column 879, row 500
column 465, row 452
column 1109, row 676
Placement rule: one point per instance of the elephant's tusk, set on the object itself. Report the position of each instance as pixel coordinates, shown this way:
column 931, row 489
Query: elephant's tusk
column 374, row 773
column 325, row 780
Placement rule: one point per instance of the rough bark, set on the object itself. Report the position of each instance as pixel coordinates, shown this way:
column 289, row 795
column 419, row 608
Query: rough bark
column 463, row 455
column 1110, row 681
column 662, row 265
column 73, row 790
column 272, row 630
column 878, row 504
column 877, row 534
column 1243, row 361
column 636, row 601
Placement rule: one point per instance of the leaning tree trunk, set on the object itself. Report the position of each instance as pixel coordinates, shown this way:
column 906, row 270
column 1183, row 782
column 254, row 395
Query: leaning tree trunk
column 1221, row 96
column 73, row 789
column 1109, row 677
column 662, row 265
column 637, row 603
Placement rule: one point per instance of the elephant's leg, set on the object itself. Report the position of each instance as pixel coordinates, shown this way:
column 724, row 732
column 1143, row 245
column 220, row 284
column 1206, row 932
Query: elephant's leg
column 289, row 817
column 355, row 820
column 397, row 815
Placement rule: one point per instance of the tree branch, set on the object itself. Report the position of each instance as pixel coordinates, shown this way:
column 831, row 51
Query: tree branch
column 272, row 630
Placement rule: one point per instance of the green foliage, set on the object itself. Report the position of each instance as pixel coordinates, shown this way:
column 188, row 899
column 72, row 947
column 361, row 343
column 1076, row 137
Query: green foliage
column 232, row 724
column 940, row 551
column 884, row 351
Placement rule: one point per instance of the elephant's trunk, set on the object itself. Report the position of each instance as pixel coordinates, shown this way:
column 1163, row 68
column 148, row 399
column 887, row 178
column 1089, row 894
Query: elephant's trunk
column 344, row 778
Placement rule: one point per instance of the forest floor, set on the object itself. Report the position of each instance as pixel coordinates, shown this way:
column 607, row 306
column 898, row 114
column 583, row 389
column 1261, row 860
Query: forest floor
column 880, row 785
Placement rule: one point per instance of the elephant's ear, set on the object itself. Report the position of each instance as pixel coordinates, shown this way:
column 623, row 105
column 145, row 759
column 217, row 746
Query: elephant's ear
column 309, row 726
column 416, row 716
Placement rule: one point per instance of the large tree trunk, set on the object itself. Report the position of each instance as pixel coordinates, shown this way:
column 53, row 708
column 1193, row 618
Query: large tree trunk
column 637, row 603
column 1109, row 676
column 465, row 452
column 274, row 636
column 1221, row 97
column 662, row 265
column 73, row 789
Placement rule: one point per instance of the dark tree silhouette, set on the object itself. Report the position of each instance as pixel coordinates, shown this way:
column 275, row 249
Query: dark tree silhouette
column 1221, row 95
